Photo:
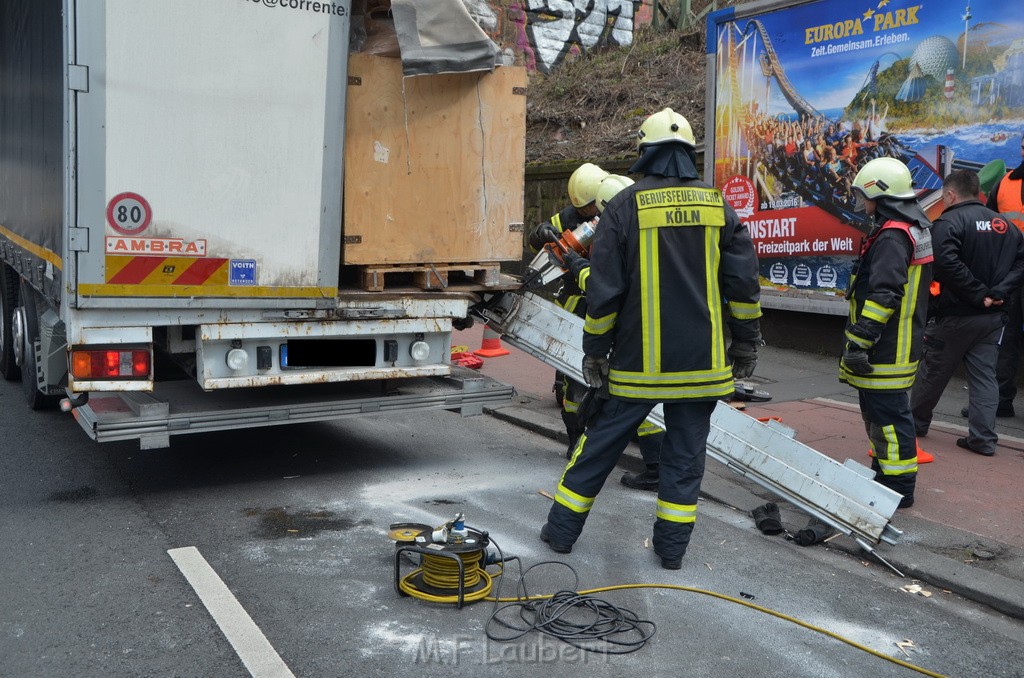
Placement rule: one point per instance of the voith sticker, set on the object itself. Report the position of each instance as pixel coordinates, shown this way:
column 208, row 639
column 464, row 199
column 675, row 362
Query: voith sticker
column 242, row 272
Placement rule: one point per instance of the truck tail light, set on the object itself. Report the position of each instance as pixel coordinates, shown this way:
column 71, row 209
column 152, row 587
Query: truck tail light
column 111, row 363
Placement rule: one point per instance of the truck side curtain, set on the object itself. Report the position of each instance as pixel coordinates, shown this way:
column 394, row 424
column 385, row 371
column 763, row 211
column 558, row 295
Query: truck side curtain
column 31, row 122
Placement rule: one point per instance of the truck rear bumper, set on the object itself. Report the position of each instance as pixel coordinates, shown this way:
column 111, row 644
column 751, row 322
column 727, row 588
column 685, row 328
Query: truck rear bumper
column 181, row 407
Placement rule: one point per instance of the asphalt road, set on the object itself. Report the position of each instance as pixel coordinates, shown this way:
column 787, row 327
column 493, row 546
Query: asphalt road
column 293, row 520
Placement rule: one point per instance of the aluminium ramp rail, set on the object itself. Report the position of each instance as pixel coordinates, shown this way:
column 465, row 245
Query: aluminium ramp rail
column 182, row 407
column 842, row 495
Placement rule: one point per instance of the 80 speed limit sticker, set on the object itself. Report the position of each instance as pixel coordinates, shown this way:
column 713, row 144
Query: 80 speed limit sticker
column 129, row 213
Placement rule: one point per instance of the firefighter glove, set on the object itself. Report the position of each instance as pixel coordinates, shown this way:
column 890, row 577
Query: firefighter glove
column 595, row 371
column 814, row 533
column 855, row 359
column 575, row 263
column 544, row 234
column 768, row 519
column 744, row 358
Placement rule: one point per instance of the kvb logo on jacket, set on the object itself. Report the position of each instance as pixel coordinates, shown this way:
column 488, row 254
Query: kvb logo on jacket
column 998, row 225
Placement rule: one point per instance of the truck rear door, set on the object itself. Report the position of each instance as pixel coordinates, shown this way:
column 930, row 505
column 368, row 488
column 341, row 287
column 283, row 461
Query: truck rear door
column 207, row 149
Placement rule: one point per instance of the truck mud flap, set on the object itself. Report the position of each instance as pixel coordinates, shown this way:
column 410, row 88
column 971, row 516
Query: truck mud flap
column 842, row 495
column 181, row 407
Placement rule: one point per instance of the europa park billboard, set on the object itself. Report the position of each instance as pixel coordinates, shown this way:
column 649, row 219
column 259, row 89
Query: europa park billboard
column 803, row 94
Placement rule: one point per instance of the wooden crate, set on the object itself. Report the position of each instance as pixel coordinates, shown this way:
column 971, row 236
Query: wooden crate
column 377, row 278
column 434, row 165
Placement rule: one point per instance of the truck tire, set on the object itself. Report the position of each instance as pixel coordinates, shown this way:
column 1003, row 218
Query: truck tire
column 36, row 399
column 8, row 301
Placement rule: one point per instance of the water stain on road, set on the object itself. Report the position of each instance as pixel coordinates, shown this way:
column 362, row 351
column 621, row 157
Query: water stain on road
column 279, row 523
column 82, row 493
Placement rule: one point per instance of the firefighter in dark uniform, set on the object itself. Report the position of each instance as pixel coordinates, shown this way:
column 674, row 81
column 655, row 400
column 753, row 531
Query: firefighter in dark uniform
column 582, row 188
column 888, row 297
column 584, row 185
column 668, row 251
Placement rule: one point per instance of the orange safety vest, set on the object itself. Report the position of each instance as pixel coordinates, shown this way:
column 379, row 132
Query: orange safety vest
column 1009, row 200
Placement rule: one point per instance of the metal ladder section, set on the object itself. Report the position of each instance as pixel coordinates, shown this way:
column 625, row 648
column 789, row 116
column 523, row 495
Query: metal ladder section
column 842, row 495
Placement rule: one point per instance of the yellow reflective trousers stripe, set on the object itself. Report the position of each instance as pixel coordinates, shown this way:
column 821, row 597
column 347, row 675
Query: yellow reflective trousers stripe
column 572, row 501
column 890, row 463
column 565, row 496
column 677, row 513
column 648, row 429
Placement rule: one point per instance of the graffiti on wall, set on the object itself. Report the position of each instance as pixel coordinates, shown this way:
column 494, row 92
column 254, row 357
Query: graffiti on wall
column 482, row 13
column 554, row 28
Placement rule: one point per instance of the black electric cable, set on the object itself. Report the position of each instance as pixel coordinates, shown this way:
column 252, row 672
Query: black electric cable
column 585, row 622
column 600, row 636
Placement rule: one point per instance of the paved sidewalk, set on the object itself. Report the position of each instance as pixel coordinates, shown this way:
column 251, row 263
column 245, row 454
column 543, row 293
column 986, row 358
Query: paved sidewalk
column 965, row 532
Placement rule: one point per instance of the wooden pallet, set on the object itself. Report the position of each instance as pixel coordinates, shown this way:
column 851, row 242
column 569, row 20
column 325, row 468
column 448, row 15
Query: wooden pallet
column 429, row 276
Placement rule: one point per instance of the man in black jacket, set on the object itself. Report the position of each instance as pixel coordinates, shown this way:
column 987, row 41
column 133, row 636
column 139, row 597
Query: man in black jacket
column 979, row 262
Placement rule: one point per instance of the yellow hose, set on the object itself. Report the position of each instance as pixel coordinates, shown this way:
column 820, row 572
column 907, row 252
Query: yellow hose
column 759, row 608
column 443, row 573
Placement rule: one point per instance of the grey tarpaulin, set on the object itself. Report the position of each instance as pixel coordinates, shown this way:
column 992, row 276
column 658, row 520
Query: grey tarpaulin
column 440, row 36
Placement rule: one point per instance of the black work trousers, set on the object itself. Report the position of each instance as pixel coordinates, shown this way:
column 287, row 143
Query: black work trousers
column 682, row 469
column 890, row 427
column 1009, row 352
column 649, row 436
column 974, row 340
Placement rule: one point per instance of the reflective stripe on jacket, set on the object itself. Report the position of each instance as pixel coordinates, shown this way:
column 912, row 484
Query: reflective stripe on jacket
column 667, row 255
column 890, row 287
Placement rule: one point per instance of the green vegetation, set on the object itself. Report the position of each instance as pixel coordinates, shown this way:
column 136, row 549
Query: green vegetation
column 592, row 105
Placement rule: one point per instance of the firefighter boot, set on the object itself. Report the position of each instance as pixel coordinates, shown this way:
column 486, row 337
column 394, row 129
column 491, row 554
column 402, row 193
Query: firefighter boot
column 554, row 545
column 645, row 480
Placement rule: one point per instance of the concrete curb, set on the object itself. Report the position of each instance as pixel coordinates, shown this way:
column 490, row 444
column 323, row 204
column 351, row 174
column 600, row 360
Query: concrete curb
column 1003, row 594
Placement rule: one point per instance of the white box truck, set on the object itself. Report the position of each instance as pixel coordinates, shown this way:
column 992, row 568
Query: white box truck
column 171, row 222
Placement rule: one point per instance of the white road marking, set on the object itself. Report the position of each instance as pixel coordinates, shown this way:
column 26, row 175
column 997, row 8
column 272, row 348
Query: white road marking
column 245, row 636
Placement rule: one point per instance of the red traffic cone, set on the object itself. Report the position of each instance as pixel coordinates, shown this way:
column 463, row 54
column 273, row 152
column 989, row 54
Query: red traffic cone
column 922, row 456
column 490, row 346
